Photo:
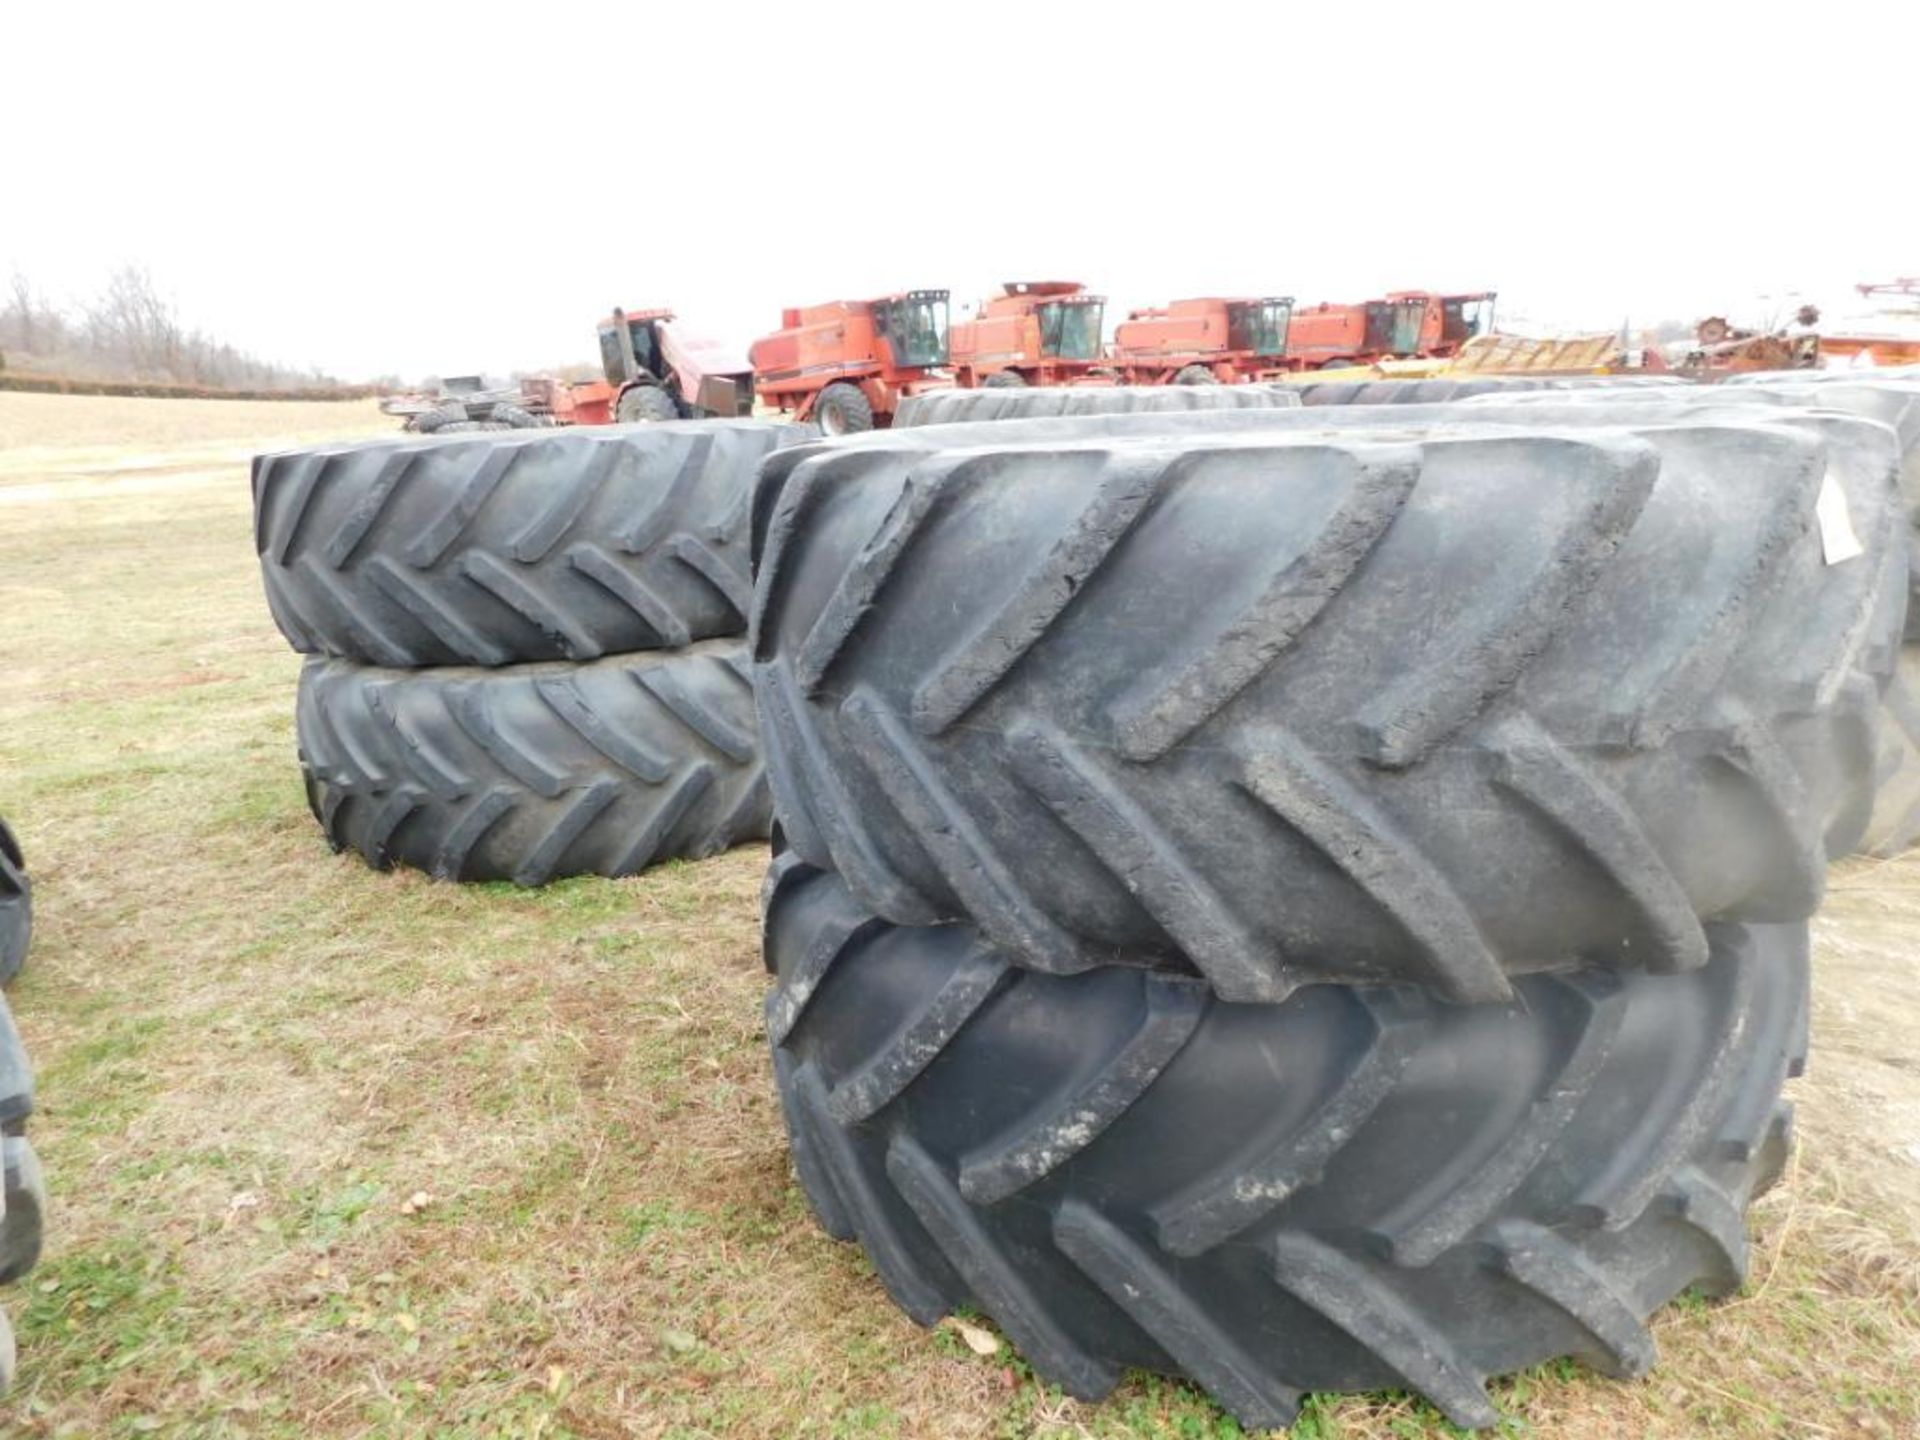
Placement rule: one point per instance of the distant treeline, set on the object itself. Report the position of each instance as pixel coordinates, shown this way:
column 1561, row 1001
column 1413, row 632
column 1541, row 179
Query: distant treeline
column 129, row 338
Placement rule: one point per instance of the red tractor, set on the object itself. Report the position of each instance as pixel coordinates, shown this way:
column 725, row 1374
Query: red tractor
column 657, row 369
column 846, row 365
column 1205, row 342
column 1034, row 332
column 1408, row 324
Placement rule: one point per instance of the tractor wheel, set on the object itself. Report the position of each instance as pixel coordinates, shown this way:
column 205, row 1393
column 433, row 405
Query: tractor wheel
column 23, row 1205
column 549, row 544
column 843, row 409
column 1650, row 701
column 645, row 404
column 1003, row 380
column 948, row 407
column 1359, row 1189
column 534, row 772
column 1195, row 375
column 16, row 906
column 432, row 421
column 514, row 417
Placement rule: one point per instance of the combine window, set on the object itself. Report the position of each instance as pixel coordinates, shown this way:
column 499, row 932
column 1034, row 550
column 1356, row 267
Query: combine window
column 1462, row 317
column 611, row 360
column 1259, row 326
column 1071, row 332
column 646, row 346
column 915, row 326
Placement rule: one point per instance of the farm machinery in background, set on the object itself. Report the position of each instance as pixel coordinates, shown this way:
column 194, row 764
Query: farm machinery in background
column 1406, row 325
column 847, row 364
column 656, row 368
column 1034, row 332
column 472, row 401
column 1887, row 335
column 1208, row 341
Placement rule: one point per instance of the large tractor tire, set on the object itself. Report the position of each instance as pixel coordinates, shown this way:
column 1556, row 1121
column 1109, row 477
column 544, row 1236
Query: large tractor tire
column 1376, row 705
column 493, row 550
column 515, row 417
column 1195, row 375
column 23, row 1206
column 948, row 407
column 431, row 421
column 1893, row 403
column 843, row 409
column 1004, row 380
column 535, row 772
column 1895, row 827
column 16, row 906
column 646, row 404
column 1359, row 1189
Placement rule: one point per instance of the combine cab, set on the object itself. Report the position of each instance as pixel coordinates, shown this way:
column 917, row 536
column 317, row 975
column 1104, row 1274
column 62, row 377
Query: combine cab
column 658, row 370
column 1406, row 325
column 846, row 365
column 1035, row 332
column 1205, row 342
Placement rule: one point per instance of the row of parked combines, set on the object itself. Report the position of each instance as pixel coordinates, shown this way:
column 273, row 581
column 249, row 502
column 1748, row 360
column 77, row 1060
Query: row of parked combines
column 847, row 365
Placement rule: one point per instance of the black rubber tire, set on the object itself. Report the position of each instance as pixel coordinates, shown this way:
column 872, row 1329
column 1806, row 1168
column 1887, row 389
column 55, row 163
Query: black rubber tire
column 1442, row 389
column 432, row 421
column 843, row 409
column 537, row 545
column 1893, row 403
column 514, row 417
column 23, row 1210
column 16, row 906
column 646, row 405
column 1895, row 826
column 1355, row 1190
column 1335, row 706
column 948, row 407
column 1195, row 375
column 1004, row 380
column 535, row 772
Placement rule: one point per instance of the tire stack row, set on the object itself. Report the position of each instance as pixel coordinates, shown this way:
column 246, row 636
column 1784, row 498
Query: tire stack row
column 524, row 648
column 1311, row 900
column 23, row 1193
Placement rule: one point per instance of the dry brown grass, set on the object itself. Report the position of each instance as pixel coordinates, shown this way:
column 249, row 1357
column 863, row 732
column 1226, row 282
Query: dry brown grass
column 253, row 1053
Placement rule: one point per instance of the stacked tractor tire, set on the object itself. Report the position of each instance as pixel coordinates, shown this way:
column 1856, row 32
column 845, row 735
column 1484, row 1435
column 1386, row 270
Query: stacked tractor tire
column 1894, row 401
column 524, row 653
column 1313, row 899
column 23, row 1193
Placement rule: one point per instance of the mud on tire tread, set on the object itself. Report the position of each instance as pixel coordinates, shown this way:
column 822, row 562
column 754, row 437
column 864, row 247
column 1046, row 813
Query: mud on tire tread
column 522, row 546
column 1356, row 1190
column 1643, row 701
column 535, row 772
column 948, row 407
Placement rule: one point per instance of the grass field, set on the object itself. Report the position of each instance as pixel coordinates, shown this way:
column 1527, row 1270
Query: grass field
column 337, row 1153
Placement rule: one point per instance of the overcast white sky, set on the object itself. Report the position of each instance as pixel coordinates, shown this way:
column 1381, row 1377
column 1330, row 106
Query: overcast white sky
column 374, row 188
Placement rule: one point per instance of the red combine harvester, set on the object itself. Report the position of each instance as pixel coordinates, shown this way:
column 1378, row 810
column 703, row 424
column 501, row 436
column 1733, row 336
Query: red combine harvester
column 1408, row 324
column 1205, row 342
column 846, row 365
column 1035, row 332
column 657, row 369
